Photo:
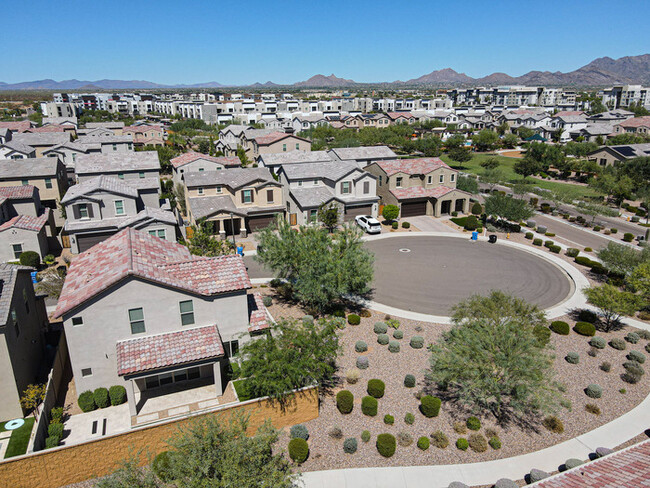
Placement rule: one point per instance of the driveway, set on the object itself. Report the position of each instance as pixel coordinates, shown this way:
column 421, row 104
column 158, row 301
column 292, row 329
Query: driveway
column 429, row 224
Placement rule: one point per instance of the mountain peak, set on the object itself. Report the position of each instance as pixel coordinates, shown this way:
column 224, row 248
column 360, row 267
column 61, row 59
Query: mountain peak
column 325, row 81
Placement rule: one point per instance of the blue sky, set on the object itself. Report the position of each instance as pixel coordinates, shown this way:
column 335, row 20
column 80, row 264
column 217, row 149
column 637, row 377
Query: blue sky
column 171, row 41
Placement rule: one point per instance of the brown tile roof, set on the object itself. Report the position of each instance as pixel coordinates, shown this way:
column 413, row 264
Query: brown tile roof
column 141, row 128
column 134, row 253
column 271, row 138
column 258, row 318
column 188, row 157
column 21, row 126
column 17, row 192
column 568, row 113
column 397, row 115
column 421, row 192
column 170, row 349
column 629, row 468
column 420, row 166
column 26, row 222
column 47, row 128
column 636, row 122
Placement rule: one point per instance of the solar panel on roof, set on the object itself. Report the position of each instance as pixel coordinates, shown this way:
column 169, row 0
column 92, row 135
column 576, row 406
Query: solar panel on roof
column 626, row 151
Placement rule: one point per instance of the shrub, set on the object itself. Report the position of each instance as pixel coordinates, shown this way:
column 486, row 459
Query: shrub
column 593, row 391
column 572, row 358
column 398, row 334
column 471, row 223
column 548, row 243
column 606, row 367
column 647, row 348
column 409, row 381
column 537, row 242
column 161, row 466
column 365, row 435
column 593, row 352
column 352, row 376
column 585, row 329
column 299, row 431
column 627, row 237
column 473, row 423
column 588, row 249
column 440, row 440
column 360, row 346
column 389, row 419
column 335, row 432
column 430, row 406
column 542, row 333
column 618, row 344
column 622, row 391
column 308, row 320
column 560, row 327
column 550, row 234
column 339, row 313
column 380, row 328
column 636, row 356
column 392, row 323
column 572, row 252
column 613, row 230
column 423, row 443
column 495, row 442
column 477, row 208
column 298, row 450
column 100, row 396
column 633, row 369
column 406, row 225
column 30, row 258
column 529, row 235
column 369, row 406
column 404, row 439
column 555, row 249
column 586, row 315
column 462, row 444
column 632, row 338
column 49, row 259
column 117, row 394
column 393, row 346
column 350, row 445
column 553, row 424
column 383, row 339
column 362, row 362
column 56, row 415
column 376, row 388
column 365, row 313
column 591, row 408
column 394, row 225
column 417, row 342
column 572, row 463
column 583, row 261
column 267, row 301
column 51, row 442
column 55, row 430
column 478, row 443
column 86, row 401
column 597, row 342
column 345, row 401
column 386, row 445
column 354, row 319
column 536, row 475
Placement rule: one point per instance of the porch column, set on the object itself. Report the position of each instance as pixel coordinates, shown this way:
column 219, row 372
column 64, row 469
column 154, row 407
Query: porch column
column 217, row 377
column 130, row 397
column 436, row 208
column 466, row 205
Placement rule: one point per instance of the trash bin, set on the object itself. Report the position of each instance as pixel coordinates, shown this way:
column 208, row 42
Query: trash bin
column 475, row 236
column 492, row 238
column 240, row 250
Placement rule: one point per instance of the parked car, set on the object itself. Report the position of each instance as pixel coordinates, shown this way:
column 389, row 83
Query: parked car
column 368, row 223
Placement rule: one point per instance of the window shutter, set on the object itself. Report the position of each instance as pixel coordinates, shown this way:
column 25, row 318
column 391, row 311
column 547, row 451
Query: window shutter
column 90, row 211
column 252, row 196
column 75, row 211
column 242, row 196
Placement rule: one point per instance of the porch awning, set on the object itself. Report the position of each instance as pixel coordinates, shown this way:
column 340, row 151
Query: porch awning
column 171, row 349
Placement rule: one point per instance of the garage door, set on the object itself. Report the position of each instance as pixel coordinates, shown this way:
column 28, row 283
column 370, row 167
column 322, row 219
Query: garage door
column 411, row 209
column 259, row 222
column 352, row 212
column 88, row 241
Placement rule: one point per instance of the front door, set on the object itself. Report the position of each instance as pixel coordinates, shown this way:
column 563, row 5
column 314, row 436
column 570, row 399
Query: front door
column 445, row 207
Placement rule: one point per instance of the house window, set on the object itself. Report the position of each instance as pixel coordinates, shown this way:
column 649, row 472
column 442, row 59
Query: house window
column 284, row 147
column 114, row 147
column 269, row 196
column 247, row 196
column 442, row 178
column 398, row 182
column 136, row 318
column 187, row 312
column 24, row 182
column 83, row 211
column 313, row 215
column 85, row 372
column 231, row 348
column 380, row 178
column 48, row 183
column 219, row 189
column 130, row 146
column 120, row 176
column 77, row 321
column 345, row 187
column 429, row 179
column 119, row 207
column 141, row 174
column 452, row 177
column 299, row 182
column 366, row 187
column 74, row 157
column 201, row 169
column 297, row 146
column 17, row 249
column 200, row 190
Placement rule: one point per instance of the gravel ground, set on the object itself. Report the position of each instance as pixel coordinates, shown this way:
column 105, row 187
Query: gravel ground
column 327, row 453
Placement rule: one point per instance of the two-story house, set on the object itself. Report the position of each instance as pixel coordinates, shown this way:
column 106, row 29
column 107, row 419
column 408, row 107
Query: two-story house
column 425, row 186
column 11, row 149
column 23, row 321
column 275, row 160
column 41, row 141
column 145, row 135
column 636, row 125
column 107, row 144
column 230, row 138
column 363, row 155
column 194, row 161
column 143, row 312
column 116, row 128
column 68, row 154
column 342, row 183
column 256, row 142
column 233, row 201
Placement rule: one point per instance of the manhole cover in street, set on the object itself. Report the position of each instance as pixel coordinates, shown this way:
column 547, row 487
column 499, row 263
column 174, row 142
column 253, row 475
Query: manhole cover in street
column 404, row 250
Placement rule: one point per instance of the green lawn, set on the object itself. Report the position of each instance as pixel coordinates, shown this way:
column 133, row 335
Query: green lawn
column 242, row 391
column 19, row 439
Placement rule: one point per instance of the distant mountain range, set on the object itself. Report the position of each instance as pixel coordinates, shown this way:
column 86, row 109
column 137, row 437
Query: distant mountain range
column 600, row 72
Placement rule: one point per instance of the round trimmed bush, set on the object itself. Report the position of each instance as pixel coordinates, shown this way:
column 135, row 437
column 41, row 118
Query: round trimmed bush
column 495, row 442
column 51, row 442
column 572, row 358
column 632, row 338
column 477, row 442
column 100, row 396
column 361, row 346
column 537, row 475
column 409, row 418
column 636, row 356
column 423, row 443
column 597, row 342
column 386, row 445
column 586, row 315
column 572, row 463
column 389, row 419
column 55, row 430
column 117, row 394
column 345, row 401
column 618, row 344
column 409, row 381
column 393, row 346
column 298, row 450
column 362, row 362
column 380, row 328
column 398, row 334
column 585, row 329
column 477, row 209
column 560, row 327
column 383, row 339
column 299, row 431
column 406, row 225
column 354, row 319
column 369, row 406
column 473, row 423
column 417, row 342
column 537, row 241
column 627, row 237
column 593, row 391
column 267, row 301
column 376, row 388
column 162, row 467
column 529, row 235
column 430, row 406
column 633, row 368
column 572, row 252
column 30, row 258
column 86, row 401
column 462, row 444
column 604, row 451
column 350, row 445
column 365, row 435
column 352, row 375
column 440, row 440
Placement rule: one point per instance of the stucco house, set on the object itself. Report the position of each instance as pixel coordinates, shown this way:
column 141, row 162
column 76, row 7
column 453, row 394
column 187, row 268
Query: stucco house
column 611, row 155
column 116, row 128
column 363, row 155
column 68, row 154
column 342, row 183
column 277, row 142
column 195, row 161
column 425, row 186
column 275, row 160
column 636, row 125
column 145, row 135
column 16, row 150
column 42, row 141
column 107, row 144
column 144, row 313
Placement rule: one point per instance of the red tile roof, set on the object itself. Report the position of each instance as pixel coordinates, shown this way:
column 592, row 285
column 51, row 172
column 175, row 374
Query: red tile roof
column 186, row 158
column 567, row 113
column 134, row 253
column 420, row 166
column 21, row 126
column 26, row 222
column 17, row 192
column 421, row 192
column 258, row 315
column 636, row 122
column 170, row 349
column 47, row 128
column 629, row 468
column 397, row 115
column 271, row 138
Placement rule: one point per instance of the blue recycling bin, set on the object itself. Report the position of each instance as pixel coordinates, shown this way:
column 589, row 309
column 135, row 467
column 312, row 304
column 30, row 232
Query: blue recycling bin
column 240, row 250
column 475, row 236
column 34, row 280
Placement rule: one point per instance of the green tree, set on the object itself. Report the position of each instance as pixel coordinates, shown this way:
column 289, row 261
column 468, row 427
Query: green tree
column 455, row 141
column 320, row 268
column 328, row 215
column 493, row 177
column 460, row 154
column 617, row 187
column 203, row 145
column 203, row 243
column 508, row 208
column 241, row 154
column 622, row 259
column 527, row 166
column 510, row 141
column 491, row 359
column 612, row 303
column 490, row 163
column 295, row 354
column 485, row 140
column 639, row 280
column 32, row 398
column 179, row 195
column 390, row 212
column 468, row 184
column 503, row 128
column 525, row 132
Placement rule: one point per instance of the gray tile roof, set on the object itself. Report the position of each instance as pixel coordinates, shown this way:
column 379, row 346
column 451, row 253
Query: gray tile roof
column 28, row 167
column 19, row 147
column 68, row 145
column 8, row 274
column 332, row 170
column 59, row 120
column 117, row 162
column 313, row 196
column 116, row 223
column 364, row 152
column 277, row 159
column 232, row 178
column 105, row 183
column 253, row 133
column 42, row 138
column 149, row 215
column 143, row 183
column 104, row 139
column 104, row 125
column 206, row 206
